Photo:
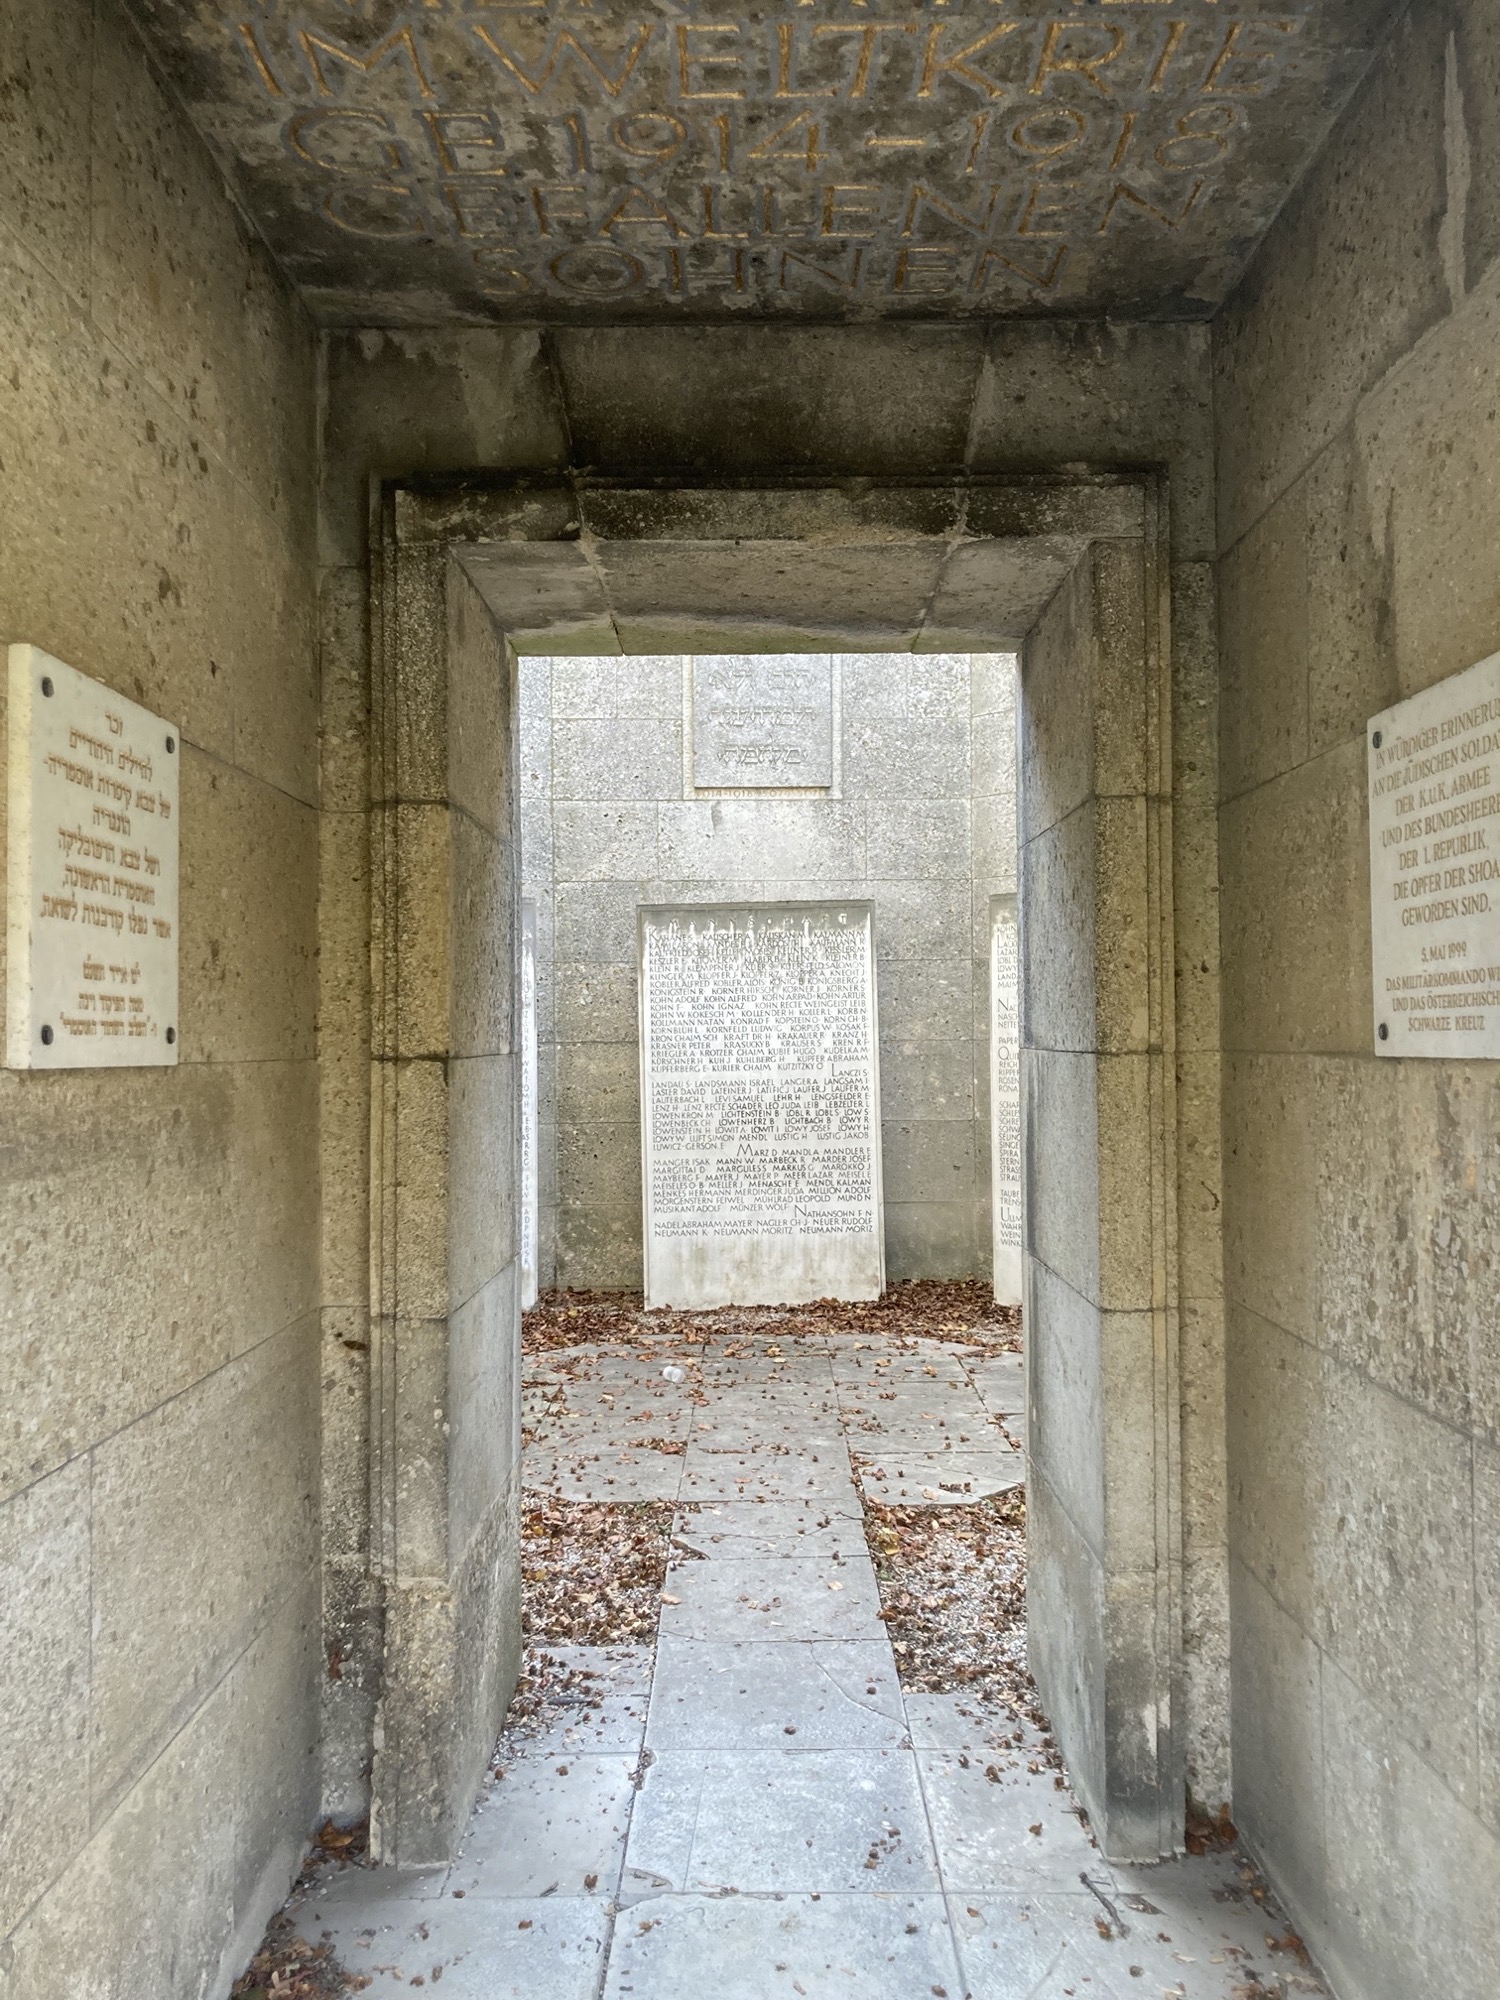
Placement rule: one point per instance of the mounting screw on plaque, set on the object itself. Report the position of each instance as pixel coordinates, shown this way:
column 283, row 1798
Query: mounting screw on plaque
column 171, row 744
column 1377, row 739
column 46, row 1037
column 1384, row 1032
column 46, row 684
column 172, row 1036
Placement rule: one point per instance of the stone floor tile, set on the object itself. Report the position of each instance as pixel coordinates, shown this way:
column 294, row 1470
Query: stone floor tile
column 808, row 1599
column 551, row 1825
column 773, row 1529
column 983, row 1828
column 710, row 1475
column 828, row 1695
column 1026, row 1948
column 529, row 1949
column 606, row 1691
column 959, row 1723
column 877, row 1366
column 616, row 1476
column 353, row 1895
column 759, row 1821
column 839, row 1947
column 1001, row 1382
column 752, row 1431
column 895, row 1478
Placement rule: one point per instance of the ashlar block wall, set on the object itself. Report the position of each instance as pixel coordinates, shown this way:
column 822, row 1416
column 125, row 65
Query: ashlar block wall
column 920, row 819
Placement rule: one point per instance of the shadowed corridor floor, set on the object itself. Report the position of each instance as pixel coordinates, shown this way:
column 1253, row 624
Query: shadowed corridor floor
column 754, row 1807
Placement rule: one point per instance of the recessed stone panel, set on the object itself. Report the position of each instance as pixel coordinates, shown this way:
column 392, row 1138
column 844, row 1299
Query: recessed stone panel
column 763, row 721
column 760, row 1104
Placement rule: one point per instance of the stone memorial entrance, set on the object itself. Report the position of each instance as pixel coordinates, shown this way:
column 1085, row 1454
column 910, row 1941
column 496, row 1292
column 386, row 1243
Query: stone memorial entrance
column 760, row 1104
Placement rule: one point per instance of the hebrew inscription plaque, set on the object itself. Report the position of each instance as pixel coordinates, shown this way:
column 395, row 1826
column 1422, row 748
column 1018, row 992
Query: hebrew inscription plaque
column 1434, row 775
column 91, row 889
column 760, row 1104
column 1005, row 1099
column 763, row 720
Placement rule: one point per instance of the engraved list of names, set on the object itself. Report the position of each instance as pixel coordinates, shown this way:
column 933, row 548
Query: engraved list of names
column 91, row 905
column 760, row 1104
column 1434, row 774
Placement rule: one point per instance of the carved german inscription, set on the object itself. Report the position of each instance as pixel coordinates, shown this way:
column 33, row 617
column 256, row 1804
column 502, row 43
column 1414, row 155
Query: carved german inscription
column 91, row 890
column 760, row 1104
column 1434, row 774
column 917, row 156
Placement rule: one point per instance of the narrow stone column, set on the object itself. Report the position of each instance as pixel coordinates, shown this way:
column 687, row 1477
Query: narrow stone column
column 1097, row 1089
column 444, row 1434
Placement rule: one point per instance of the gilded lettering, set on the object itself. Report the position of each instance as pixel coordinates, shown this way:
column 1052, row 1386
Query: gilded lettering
column 466, row 142
column 868, row 33
column 1216, row 82
column 386, row 210
column 977, row 221
column 690, row 59
column 843, row 205
column 925, row 267
column 650, row 135
column 597, row 270
column 1043, row 279
column 1047, row 202
column 400, row 42
column 312, row 136
column 543, row 195
column 250, row 36
column 847, row 280
column 803, row 131
column 935, row 65
column 1055, row 59
column 638, row 210
column 786, row 52
column 1124, row 192
column 505, row 280
column 566, row 44
column 1045, row 134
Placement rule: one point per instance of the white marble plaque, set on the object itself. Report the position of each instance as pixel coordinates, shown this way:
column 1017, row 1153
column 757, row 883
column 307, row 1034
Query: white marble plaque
column 760, row 1104
column 91, row 889
column 1434, row 773
column 763, row 721
column 529, row 1155
column 1005, row 1099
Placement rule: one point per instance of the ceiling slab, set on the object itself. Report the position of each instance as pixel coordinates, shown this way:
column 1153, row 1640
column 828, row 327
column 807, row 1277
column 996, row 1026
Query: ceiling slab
column 416, row 162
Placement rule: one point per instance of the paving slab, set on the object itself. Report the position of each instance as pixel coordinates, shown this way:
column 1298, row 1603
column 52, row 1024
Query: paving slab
column 757, row 1821
column 776, row 1475
column 604, row 1693
column 828, row 1694
column 776, row 1530
column 895, row 1478
column 1013, row 1831
column 834, row 1947
column 617, row 1476
column 814, row 1598
column 554, row 1824
column 537, row 1949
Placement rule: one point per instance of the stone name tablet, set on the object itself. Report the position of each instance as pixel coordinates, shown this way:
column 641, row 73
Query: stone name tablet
column 760, row 1104
column 1434, row 774
column 1005, row 1100
column 530, row 1203
column 763, row 721
column 91, row 873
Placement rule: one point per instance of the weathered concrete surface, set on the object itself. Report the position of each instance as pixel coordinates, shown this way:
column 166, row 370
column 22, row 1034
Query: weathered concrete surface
column 609, row 820
column 1359, row 509
column 614, row 163
column 159, row 1320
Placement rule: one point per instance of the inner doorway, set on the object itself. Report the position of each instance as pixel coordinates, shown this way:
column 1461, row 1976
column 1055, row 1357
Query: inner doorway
column 1068, row 568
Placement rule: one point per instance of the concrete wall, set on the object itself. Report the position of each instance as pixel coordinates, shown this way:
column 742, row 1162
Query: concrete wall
column 608, row 821
column 1357, row 388
column 159, row 1300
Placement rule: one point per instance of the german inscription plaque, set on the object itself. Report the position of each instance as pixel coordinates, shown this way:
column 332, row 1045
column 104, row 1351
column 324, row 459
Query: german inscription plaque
column 530, row 1151
column 1434, row 774
column 760, row 1104
column 763, row 721
column 91, row 891
column 1005, row 1100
